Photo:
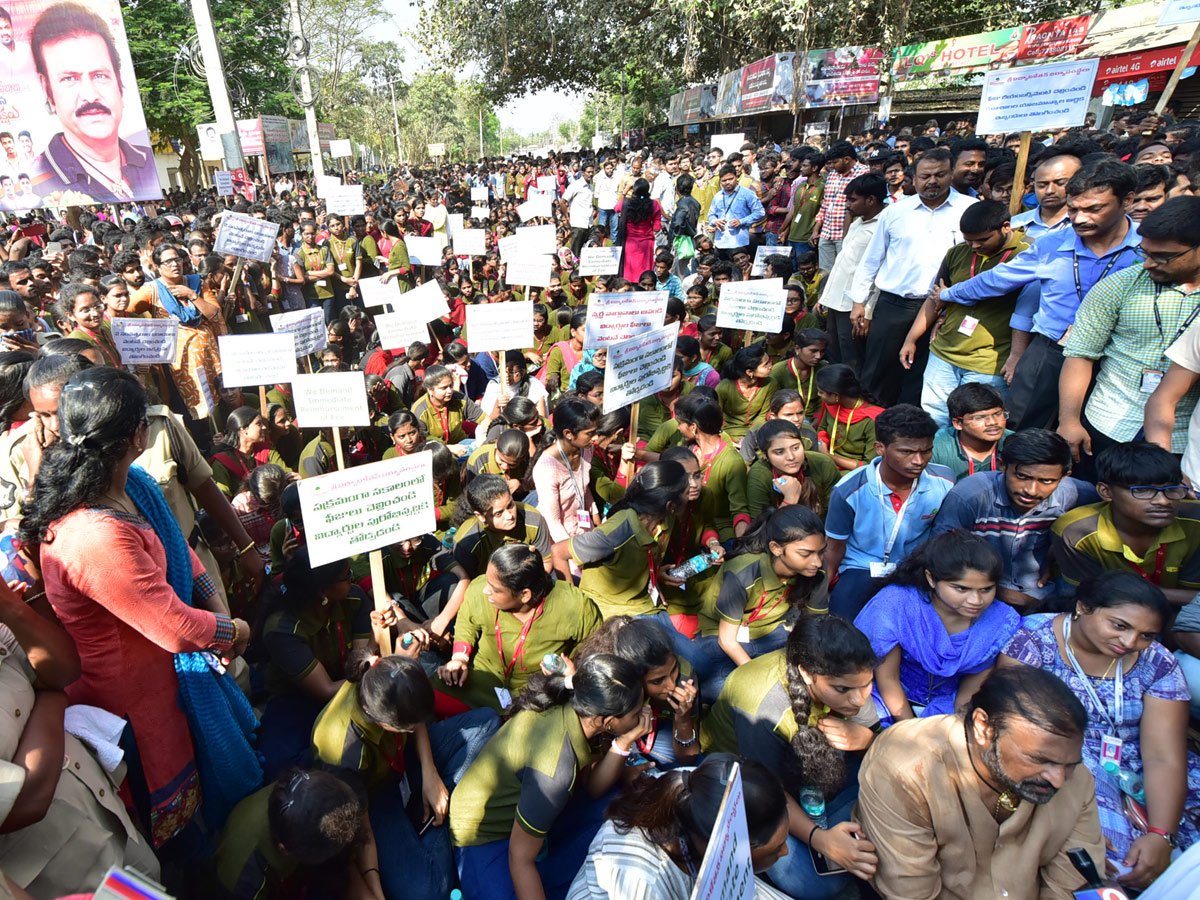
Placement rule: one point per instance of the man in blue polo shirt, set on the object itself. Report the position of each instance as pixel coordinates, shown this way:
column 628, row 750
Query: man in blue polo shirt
column 1065, row 267
column 1013, row 509
column 880, row 513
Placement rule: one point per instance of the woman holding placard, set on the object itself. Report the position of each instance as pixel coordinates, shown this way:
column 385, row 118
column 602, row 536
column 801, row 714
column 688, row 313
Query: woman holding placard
column 519, row 384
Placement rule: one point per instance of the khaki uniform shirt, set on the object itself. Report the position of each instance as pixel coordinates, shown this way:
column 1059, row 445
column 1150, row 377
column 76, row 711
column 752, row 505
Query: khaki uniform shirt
column 86, row 828
column 918, row 803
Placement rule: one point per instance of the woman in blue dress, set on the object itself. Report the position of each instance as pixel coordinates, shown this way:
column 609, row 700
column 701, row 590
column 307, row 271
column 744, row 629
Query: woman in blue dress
column 936, row 627
column 1136, row 698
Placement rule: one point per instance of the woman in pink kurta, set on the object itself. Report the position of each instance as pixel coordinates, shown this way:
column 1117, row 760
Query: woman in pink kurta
column 562, row 472
column 640, row 219
column 105, row 571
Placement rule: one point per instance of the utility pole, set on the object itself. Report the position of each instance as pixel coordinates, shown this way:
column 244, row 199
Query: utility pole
column 396, row 120
column 214, row 73
column 621, row 138
column 482, row 155
column 300, row 53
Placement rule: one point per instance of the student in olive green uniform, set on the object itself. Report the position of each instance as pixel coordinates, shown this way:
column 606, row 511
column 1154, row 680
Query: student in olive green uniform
column 507, row 456
column 234, row 459
column 776, row 567
column 660, row 407
column 498, row 520
column 846, row 426
column 787, row 474
column 513, row 616
column 745, row 390
column 689, row 538
column 788, row 710
column 414, row 573
column 785, row 404
column 443, row 410
column 722, row 505
column 291, row 838
column 317, row 620
column 318, row 456
column 522, row 783
column 365, row 730
column 799, row 372
column 622, row 560
column 318, row 267
column 712, row 349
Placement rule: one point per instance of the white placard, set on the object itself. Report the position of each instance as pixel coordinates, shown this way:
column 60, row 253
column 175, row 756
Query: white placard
column 727, row 872
column 248, row 360
column 479, row 195
column 424, row 251
column 470, row 242
column 752, row 305
column 327, row 183
column 340, row 148
column 1036, row 98
column 481, row 212
column 510, row 247
column 373, row 292
column 728, row 143
column 547, row 183
column 534, row 239
column 345, row 200
column 761, row 255
column 399, row 329
column 639, row 367
column 499, row 326
column 308, row 325
column 529, row 271
column 616, row 317
column 454, row 223
column 145, row 341
column 242, row 235
column 326, row 399
column 426, row 302
column 535, row 207
column 599, row 261
column 367, row 507
column 223, row 180
column 436, row 149
column 1179, row 12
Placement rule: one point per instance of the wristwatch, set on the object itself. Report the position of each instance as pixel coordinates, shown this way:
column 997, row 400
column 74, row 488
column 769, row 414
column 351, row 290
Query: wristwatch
column 1172, row 840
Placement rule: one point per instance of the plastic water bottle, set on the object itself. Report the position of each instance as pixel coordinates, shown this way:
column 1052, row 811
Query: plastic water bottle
column 812, row 801
column 554, row 663
column 448, row 540
column 456, row 894
column 693, row 566
column 407, row 641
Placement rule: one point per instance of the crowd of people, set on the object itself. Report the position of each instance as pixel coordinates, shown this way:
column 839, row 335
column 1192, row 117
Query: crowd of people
column 923, row 564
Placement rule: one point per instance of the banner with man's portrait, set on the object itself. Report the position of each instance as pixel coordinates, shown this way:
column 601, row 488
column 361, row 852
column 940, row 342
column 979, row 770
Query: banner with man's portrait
column 72, row 130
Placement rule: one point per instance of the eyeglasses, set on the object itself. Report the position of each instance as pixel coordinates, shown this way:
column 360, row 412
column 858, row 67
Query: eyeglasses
column 984, row 418
column 1149, row 491
column 171, row 259
column 1161, row 258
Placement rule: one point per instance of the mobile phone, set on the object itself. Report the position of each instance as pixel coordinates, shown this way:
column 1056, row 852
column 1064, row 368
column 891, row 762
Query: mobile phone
column 425, row 826
column 25, row 334
column 53, row 247
column 824, row 865
column 638, row 758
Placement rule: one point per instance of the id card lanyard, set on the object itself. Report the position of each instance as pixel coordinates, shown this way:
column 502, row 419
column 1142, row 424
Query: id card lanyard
column 1118, row 682
column 887, row 504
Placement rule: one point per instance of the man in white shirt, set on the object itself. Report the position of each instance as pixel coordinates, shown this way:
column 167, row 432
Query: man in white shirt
column 663, row 188
column 605, row 184
column 866, row 196
column 578, row 202
column 901, row 261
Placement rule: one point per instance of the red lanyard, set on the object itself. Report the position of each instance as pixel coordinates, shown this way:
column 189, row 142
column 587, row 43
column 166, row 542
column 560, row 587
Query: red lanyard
column 395, row 759
column 517, row 651
column 975, row 259
column 98, row 337
column 707, row 463
column 748, row 400
column 444, row 421
column 971, row 461
column 646, row 744
column 651, row 565
column 1159, row 558
column 758, row 613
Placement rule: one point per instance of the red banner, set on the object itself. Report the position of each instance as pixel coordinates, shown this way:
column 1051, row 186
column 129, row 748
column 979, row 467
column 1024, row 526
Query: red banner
column 1135, row 66
column 758, row 83
column 1053, row 38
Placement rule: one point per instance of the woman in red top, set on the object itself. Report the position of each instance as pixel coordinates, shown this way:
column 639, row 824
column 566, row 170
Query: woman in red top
column 640, row 219
column 106, row 572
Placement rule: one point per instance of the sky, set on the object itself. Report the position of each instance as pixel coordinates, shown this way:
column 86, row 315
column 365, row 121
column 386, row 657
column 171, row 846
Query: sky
column 530, row 114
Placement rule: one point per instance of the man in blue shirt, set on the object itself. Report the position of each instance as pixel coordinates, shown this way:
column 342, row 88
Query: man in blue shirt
column 1014, row 508
column 732, row 211
column 1100, row 242
column 880, row 513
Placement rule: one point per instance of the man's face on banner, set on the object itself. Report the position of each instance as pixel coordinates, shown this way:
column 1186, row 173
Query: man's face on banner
column 6, row 33
column 83, row 88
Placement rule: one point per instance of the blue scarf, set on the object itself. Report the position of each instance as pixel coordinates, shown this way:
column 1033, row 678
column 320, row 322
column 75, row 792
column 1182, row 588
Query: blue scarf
column 220, row 717
column 585, row 365
column 187, row 315
column 699, row 369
